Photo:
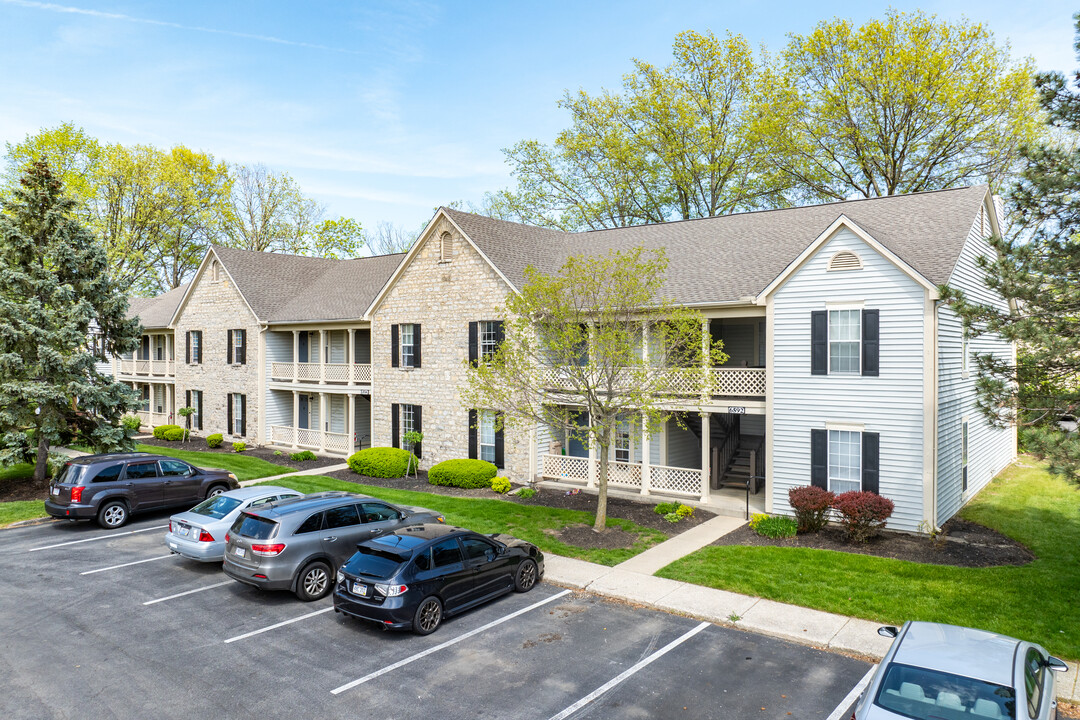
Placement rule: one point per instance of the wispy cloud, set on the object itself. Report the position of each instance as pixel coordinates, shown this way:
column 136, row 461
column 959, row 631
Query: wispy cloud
column 70, row 10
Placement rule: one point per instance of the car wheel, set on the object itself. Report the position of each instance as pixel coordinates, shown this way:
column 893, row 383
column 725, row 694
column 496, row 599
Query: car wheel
column 113, row 514
column 428, row 616
column 525, row 577
column 314, row 581
column 215, row 491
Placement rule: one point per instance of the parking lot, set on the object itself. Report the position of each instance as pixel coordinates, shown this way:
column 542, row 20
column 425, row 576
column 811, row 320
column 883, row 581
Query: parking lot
column 100, row 623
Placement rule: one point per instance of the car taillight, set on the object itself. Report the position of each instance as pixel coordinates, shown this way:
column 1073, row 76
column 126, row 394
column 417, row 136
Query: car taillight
column 226, row 537
column 391, row 590
column 171, row 528
column 76, row 494
column 205, row 536
column 268, row 550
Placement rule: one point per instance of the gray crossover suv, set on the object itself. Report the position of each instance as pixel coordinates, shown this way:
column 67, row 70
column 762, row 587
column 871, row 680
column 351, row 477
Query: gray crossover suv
column 299, row 544
column 113, row 486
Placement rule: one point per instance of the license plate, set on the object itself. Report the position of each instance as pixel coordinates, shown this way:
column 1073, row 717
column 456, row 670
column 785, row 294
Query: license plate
column 56, row 491
column 183, row 530
column 240, row 552
column 360, row 589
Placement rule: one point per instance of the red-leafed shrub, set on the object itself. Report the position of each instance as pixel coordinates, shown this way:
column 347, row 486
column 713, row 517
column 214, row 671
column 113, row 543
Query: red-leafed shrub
column 811, row 505
column 863, row 513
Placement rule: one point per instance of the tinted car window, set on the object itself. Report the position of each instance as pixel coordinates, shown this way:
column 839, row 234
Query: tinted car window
column 312, row 524
column 255, row 528
column 446, row 552
column 263, row 501
column 1033, row 680
column 423, row 560
column 216, row 507
column 920, row 693
column 174, row 467
column 477, row 549
column 376, row 562
column 376, row 512
column 141, row 470
column 71, row 474
column 109, row 473
column 342, row 517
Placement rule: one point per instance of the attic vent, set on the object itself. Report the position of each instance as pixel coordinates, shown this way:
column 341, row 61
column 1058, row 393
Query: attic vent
column 845, row 260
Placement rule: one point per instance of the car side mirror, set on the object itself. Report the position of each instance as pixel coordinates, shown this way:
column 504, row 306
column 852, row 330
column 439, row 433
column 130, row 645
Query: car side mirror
column 888, row 631
column 1055, row 664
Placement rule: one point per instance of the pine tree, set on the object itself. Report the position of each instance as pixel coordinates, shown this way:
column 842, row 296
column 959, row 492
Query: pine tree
column 54, row 288
column 1039, row 274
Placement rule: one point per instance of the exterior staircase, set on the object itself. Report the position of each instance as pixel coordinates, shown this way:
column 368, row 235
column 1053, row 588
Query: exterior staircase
column 746, row 462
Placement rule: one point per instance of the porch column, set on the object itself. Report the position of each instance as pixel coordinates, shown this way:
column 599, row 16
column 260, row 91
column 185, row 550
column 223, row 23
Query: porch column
column 706, row 341
column 295, row 359
column 371, row 416
column 592, row 460
column 350, row 423
column 169, row 354
column 168, row 403
column 531, row 478
column 295, row 413
column 322, row 357
column 350, row 353
column 322, row 418
column 646, row 461
column 706, row 453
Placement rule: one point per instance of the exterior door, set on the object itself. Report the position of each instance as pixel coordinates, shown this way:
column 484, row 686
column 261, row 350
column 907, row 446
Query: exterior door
column 180, row 482
column 142, row 482
column 302, row 348
column 303, row 414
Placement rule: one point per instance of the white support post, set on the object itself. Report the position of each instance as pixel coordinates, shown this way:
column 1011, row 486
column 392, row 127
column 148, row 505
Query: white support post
column 531, row 478
column 295, row 356
column 350, row 354
column 706, row 341
column 295, row 417
column 169, row 354
column 324, row 423
column 371, row 415
column 322, row 357
column 168, row 404
column 706, row 452
column 646, row 461
column 350, row 425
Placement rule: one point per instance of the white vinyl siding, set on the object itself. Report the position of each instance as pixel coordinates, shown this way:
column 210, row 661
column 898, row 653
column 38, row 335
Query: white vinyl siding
column 990, row 449
column 362, row 423
column 683, row 447
column 279, row 409
column 890, row 404
column 336, row 410
column 337, row 340
column 279, row 348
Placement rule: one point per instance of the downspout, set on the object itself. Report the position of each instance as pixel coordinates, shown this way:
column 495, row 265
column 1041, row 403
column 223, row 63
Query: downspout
column 937, row 415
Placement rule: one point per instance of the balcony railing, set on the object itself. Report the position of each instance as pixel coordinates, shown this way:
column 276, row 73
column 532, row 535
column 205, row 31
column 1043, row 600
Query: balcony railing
column 153, row 419
column 662, row 479
column 310, row 438
column 693, row 382
column 147, row 368
column 338, row 373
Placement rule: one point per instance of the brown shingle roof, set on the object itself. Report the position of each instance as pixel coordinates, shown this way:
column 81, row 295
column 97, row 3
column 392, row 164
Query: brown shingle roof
column 728, row 258
column 156, row 312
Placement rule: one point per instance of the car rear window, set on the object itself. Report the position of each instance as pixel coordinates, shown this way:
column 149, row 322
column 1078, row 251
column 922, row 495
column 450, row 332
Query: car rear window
column 253, row 527
column 923, row 694
column 216, row 507
column 374, row 562
column 71, row 474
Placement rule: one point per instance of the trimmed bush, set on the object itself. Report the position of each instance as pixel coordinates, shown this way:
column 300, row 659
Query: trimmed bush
column 160, row 430
column 131, row 423
column 500, row 485
column 239, row 447
column 214, row 441
column 863, row 513
column 303, row 455
column 774, row 526
column 811, row 505
column 463, row 473
column 684, row 511
column 666, row 507
column 174, row 434
column 382, row 462
column 526, row 493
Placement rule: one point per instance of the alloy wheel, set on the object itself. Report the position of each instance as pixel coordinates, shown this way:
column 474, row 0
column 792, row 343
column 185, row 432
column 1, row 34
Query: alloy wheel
column 527, row 576
column 315, row 582
column 430, row 615
column 115, row 515
column 214, row 492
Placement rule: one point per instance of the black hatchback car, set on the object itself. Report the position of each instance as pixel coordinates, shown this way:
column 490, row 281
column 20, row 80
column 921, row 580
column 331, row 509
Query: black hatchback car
column 113, row 486
column 415, row 577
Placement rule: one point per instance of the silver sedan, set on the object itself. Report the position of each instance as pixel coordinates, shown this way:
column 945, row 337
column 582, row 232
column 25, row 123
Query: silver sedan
column 199, row 533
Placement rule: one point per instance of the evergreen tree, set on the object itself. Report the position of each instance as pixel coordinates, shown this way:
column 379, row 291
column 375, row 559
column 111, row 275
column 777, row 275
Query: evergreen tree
column 1039, row 274
column 55, row 290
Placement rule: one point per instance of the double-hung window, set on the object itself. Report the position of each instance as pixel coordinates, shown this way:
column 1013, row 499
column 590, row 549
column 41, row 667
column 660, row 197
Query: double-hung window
column 845, row 461
column 194, row 347
column 408, row 346
column 238, row 414
column 845, row 329
column 486, row 438
column 622, row 443
column 489, row 338
column 845, row 341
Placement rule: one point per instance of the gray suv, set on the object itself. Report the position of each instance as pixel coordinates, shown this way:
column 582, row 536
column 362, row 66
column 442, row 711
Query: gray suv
column 113, row 486
column 299, row 544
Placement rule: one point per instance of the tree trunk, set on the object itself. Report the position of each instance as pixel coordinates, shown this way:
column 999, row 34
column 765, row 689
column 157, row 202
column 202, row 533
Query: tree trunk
column 601, row 498
column 41, row 469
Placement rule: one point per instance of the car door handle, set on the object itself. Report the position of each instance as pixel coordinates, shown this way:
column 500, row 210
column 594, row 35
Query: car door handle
column 332, row 538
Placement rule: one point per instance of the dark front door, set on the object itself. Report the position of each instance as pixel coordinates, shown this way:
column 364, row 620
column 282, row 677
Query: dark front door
column 145, row 353
column 577, row 448
column 303, row 414
column 302, row 349
column 142, row 482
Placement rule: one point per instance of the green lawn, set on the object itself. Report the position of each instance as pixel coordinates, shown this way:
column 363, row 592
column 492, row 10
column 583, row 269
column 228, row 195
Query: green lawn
column 1035, row 602
column 245, row 467
column 11, row 512
column 527, row 522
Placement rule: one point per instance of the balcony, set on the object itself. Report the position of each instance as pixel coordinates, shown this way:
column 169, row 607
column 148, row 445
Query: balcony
column 312, row 439
column 146, row 368
column 688, row 382
column 153, row 419
column 661, row 479
column 320, row 373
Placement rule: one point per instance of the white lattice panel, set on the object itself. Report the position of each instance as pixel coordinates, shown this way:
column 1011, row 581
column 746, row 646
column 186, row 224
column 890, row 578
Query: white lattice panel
column 306, row 436
column 159, row 367
column 621, row 473
column 738, row 381
column 361, row 373
column 683, row 381
column 282, row 435
column 307, row 372
column 127, row 367
column 142, row 367
column 565, row 467
column 281, row 370
column 337, row 442
column 683, row 481
column 336, row 372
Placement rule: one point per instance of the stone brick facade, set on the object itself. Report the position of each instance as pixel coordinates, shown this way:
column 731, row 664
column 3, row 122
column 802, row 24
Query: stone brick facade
column 215, row 307
column 443, row 296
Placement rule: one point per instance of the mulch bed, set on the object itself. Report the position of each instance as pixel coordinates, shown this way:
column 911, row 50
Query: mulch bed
column 962, row 544
column 13, row 490
column 198, row 444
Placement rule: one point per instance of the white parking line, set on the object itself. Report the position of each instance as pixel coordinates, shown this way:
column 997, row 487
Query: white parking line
column 448, row 643
column 841, row 709
column 136, row 562
column 622, row 676
column 189, row 592
column 280, row 624
column 99, row 537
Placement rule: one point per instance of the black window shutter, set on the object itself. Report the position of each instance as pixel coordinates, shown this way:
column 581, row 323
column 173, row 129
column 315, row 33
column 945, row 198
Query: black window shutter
column 394, row 427
column 200, row 410
column 187, row 401
column 870, row 344
column 870, row 443
column 819, row 342
column 474, row 346
column 243, row 416
column 819, row 458
column 228, row 413
column 499, row 337
column 473, row 454
column 187, row 348
column 243, row 347
column 228, row 350
column 416, row 344
column 394, row 347
column 498, row 443
column 418, row 421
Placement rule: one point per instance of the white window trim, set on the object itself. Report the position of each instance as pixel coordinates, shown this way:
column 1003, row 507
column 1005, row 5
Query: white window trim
column 629, row 442
column 237, row 415
column 830, row 307
column 845, row 305
column 238, row 343
column 965, row 369
column 480, row 340
column 412, row 346
column 846, row 426
column 828, row 463
column 446, row 247
column 480, row 444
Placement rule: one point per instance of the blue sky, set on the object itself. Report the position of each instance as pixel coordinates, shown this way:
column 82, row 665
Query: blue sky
column 383, row 110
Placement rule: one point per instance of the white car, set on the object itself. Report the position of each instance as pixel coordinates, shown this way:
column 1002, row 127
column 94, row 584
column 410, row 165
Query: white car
column 945, row 672
column 199, row 533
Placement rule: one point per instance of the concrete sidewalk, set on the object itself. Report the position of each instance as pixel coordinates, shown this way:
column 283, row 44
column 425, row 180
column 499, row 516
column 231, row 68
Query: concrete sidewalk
column 312, row 471
column 681, row 545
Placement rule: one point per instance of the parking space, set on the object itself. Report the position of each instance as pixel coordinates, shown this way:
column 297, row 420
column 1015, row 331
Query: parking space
column 172, row 637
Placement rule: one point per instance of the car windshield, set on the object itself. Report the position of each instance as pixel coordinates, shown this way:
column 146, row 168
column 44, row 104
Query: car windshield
column 71, row 474
column 216, row 507
column 254, row 528
column 928, row 694
column 377, row 562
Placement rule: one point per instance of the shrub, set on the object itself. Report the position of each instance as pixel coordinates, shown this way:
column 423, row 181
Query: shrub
column 756, row 519
column 500, row 485
column 684, row 511
column 526, row 493
column 382, row 462
column 131, row 423
column 160, row 430
column 811, row 505
column 174, row 434
column 863, row 513
column 775, row 526
column 665, row 508
column 303, row 455
column 214, row 441
column 278, row 453
column 239, row 447
column 463, row 473
column 672, row 517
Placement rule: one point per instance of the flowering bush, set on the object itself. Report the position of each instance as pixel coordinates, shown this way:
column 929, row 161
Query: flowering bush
column 811, row 505
column 863, row 513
